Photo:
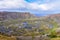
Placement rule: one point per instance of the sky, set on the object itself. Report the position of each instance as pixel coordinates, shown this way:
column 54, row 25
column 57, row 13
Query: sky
column 32, row 6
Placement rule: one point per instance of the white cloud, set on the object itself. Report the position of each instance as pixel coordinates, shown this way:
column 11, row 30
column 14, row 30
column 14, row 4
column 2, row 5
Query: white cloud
column 36, row 6
column 32, row 6
column 46, row 6
column 11, row 4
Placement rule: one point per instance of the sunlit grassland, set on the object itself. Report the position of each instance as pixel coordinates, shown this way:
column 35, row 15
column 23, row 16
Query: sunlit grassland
column 2, row 37
column 55, row 38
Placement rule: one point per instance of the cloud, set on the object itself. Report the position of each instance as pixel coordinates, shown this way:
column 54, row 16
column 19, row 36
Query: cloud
column 46, row 6
column 36, row 6
column 22, row 4
column 8, row 4
column 32, row 6
column 50, row 6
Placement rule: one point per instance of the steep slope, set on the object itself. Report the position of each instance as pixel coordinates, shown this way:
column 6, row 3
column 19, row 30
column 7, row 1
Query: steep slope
column 29, row 22
column 55, row 17
column 15, row 15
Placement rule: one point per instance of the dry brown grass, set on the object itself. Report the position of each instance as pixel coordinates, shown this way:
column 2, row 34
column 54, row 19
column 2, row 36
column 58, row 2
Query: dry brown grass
column 6, row 38
column 55, row 38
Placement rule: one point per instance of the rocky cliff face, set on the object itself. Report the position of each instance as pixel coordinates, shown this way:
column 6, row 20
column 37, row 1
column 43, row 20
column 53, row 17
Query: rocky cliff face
column 55, row 17
column 15, row 15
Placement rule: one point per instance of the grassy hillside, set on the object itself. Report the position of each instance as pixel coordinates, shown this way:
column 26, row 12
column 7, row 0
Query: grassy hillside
column 44, row 27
